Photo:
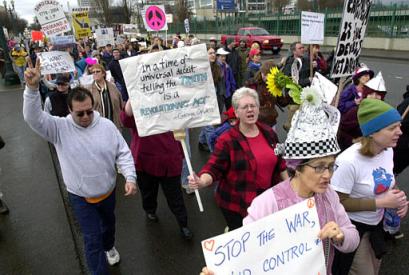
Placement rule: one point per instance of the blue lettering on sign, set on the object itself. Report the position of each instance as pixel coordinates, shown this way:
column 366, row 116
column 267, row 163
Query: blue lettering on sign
column 285, row 256
column 245, row 271
column 232, row 249
column 300, row 220
column 189, row 80
column 264, row 237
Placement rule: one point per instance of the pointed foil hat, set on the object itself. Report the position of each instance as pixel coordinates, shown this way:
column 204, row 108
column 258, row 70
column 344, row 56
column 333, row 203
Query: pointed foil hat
column 377, row 83
column 313, row 132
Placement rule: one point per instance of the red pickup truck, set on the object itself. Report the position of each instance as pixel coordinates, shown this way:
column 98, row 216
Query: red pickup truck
column 256, row 35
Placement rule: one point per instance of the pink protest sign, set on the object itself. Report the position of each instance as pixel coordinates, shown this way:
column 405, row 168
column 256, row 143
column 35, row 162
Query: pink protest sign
column 155, row 18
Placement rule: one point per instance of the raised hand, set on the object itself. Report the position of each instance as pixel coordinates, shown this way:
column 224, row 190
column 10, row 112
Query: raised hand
column 32, row 76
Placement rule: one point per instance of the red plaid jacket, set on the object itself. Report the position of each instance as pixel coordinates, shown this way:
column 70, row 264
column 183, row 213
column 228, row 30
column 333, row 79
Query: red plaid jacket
column 234, row 166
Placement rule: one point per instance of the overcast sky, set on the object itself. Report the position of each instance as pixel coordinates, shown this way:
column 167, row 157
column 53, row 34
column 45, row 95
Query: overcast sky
column 25, row 8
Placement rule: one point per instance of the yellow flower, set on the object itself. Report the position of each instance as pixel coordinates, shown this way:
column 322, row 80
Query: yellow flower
column 272, row 86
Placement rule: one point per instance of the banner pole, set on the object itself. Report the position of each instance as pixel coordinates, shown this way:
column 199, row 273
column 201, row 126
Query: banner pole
column 341, row 86
column 180, row 135
column 311, row 61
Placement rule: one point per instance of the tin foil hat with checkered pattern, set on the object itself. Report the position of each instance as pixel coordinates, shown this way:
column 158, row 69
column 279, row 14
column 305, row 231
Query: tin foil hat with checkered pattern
column 313, row 131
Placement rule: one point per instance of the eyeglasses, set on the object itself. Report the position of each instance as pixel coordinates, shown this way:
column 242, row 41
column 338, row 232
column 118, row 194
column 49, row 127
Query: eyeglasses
column 82, row 113
column 320, row 169
column 96, row 72
column 247, row 107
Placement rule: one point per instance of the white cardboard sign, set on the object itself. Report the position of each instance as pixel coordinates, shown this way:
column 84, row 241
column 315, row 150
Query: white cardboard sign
column 312, row 27
column 51, row 16
column 56, row 62
column 351, row 36
column 171, row 90
column 104, row 36
column 283, row 243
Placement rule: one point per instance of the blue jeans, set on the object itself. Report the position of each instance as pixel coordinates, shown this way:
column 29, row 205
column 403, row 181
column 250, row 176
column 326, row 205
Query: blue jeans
column 20, row 73
column 97, row 222
column 205, row 135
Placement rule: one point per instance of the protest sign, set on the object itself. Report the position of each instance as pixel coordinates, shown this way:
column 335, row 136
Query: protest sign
column 130, row 29
column 56, row 62
column 104, row 36
column 81, row 24
column 51, row 17
column 326, row 87
column 283, row 243
column 312, row 27
column 187, row 26
column 37, row 36
column 154, row 18
column 63, row 41
column 171, row 90
column 351, row 36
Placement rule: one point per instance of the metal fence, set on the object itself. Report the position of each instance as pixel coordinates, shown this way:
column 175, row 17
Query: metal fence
column 390, row 22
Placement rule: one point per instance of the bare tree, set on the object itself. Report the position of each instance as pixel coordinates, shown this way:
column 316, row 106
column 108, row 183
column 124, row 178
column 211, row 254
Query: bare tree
column 104, row 11
column 182, row 10
column 127, row 6
column 304, row 5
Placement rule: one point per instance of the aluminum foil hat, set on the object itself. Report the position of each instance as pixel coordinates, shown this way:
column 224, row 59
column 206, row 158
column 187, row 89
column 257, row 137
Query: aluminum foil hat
column 377, row 83
column 313, row 131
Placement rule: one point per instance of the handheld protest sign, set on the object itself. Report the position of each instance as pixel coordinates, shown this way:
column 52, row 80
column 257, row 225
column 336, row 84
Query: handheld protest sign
column 351, row 36
column 51, row 16
column 171, row 90
column 285, row 242
column 56, row 62
column 154, row 18
column 180, row 135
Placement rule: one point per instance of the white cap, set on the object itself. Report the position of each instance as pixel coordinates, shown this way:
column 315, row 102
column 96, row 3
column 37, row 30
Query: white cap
column 377, row 83
column 221, row 51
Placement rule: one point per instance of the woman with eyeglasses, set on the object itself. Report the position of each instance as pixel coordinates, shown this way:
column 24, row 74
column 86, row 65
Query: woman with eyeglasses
column 243, row 161
column 309, row 151
column 367, row 188
column 107, row 98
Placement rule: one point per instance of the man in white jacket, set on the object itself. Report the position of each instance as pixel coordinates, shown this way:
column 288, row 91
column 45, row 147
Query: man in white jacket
column 89, row 147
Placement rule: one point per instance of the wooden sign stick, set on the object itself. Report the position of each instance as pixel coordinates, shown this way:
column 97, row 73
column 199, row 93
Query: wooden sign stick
column 341, row 86
column 180, row 135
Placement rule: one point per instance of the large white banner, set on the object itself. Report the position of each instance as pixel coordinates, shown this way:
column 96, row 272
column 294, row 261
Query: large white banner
column 283, row 243
column 312, row 27
column 104, row 36
column 351, row 36
column 56, row 62
column 51, row 16
column 171, row 90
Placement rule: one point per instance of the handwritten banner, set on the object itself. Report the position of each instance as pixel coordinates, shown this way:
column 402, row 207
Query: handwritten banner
column 81, row 24
column 312, row 27
column 51, row 17
column 351, row 36
column 104, row 36
column 171, row 90
column 283, row 243
column 56, row 62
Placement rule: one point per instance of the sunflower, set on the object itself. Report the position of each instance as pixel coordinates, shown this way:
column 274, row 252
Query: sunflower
column 273, row 79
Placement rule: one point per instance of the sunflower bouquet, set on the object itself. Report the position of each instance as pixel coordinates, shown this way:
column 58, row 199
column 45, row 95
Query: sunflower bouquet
column 277, row 81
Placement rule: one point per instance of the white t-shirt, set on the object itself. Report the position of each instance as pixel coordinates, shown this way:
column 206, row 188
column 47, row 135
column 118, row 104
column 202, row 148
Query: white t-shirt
column 364, row 177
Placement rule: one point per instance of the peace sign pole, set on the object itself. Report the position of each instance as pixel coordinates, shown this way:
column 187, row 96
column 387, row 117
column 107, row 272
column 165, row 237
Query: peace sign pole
column 180, row 135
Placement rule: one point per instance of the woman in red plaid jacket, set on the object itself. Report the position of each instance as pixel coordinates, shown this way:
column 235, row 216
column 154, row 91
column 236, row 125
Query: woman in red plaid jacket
column 243, row 162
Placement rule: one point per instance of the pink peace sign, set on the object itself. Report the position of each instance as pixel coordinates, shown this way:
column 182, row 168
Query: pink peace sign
column 155, row 18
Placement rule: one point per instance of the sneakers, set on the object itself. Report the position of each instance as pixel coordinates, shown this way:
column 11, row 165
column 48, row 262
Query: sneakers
column 112, row 256
column 186, row 233
column 3, row 208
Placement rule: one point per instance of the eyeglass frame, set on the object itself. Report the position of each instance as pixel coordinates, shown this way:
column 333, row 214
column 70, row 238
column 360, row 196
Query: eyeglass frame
column 317, row 169
column 82, row 113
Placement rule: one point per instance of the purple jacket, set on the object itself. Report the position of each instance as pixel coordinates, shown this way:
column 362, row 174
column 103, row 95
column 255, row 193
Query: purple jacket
column 328, row 206
column 347, row 98
column 229, row 79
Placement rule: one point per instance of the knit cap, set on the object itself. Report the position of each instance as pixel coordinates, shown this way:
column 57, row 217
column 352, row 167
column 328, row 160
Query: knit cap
column 375, row 114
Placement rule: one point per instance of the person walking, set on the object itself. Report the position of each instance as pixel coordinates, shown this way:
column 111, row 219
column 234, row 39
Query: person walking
column 89, row 147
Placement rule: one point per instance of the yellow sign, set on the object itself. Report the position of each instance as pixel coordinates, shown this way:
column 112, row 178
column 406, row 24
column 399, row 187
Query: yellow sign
column 81, row 24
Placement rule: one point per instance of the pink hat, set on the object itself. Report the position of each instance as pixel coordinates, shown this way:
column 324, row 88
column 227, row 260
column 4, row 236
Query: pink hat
column 254, row 52
column 91, row 61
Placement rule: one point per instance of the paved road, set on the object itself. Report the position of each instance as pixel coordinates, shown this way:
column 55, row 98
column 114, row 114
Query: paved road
column 38, row 237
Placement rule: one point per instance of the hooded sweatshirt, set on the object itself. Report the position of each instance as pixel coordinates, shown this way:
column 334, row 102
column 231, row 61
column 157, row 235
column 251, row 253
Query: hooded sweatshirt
column 87, row 155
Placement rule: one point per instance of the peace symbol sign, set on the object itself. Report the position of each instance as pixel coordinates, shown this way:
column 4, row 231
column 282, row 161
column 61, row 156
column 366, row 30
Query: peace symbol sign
column 155, row 18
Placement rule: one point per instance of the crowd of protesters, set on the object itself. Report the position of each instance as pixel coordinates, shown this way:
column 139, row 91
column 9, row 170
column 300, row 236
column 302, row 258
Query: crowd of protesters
column 83, row 114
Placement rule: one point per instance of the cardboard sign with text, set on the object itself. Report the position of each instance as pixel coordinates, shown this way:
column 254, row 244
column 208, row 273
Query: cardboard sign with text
column 351, row 36
column 171, row 90
column 51, row 16
column 312, row 27
column 104, row 36
column 283, row 243
column 81, row 24
column 56, row 62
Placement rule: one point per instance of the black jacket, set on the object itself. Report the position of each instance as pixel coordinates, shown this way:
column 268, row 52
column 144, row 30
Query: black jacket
column 304, row 73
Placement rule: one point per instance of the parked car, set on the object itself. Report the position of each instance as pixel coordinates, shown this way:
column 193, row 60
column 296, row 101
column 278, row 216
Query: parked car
column 256, row 35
